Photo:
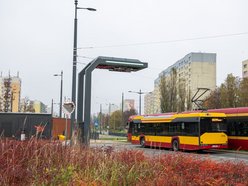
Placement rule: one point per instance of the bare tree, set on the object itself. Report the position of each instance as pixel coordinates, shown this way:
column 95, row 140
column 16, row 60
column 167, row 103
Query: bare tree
column 116, row 120
column 229, row 91
column 7, row 95
column 173, row 90
column 169, row 90
column 164, row 95
column 243, row 92
column 1, row 104
column 213, row 101
column 129, row 113
column 188, row 100
column 181, row 95
column 27, row 105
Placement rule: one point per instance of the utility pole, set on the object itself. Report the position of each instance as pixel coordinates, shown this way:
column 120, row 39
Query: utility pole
column 74, row 68
column 100, row 119
column 52, row 108
column 122, row 110
column 139, row 98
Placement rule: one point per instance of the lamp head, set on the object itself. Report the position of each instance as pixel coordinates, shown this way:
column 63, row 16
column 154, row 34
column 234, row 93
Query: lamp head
column 91, row 9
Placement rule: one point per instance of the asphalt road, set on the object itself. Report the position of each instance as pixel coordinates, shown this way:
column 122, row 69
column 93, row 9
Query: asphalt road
column 218, row 155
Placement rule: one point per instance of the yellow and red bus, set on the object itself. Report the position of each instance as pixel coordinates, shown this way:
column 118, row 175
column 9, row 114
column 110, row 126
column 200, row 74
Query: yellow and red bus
column 179, row 131
column 237, row 126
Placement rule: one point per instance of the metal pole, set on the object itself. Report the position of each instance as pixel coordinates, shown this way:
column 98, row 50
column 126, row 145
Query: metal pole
column 114, row 123
column 52, row 108
column 61, row 94
column 139, row 99
column 100, row 119
column 87, row 108
column 122, row 110
column 109, row 115
column 74, row 69
column 140, row 102
column 66, row 131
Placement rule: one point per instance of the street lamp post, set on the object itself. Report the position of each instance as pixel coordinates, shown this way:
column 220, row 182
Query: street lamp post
column 74, row 68
column 52, row 107
column 139, row 98
column 122, row 110
column 61, row 92
column 110, row 104
column 100, row 119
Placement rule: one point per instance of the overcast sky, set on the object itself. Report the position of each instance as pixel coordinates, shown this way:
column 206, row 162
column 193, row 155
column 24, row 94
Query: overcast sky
column 36, row 40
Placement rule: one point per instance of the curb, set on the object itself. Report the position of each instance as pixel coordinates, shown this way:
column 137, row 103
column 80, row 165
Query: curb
column 230, row 151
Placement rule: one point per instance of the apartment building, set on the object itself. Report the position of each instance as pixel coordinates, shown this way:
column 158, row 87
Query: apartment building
column 39, row 107
column 1, row 94
column 128, row 104
column 245, row 69
column 33, row 106
column 196, row 70
column 10, row 93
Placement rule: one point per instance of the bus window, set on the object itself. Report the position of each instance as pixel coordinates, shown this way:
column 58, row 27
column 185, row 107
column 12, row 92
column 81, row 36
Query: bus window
column 183, row 127
column 142, row 128
column 135, row 129
column 178, row 128
column 130, row 126
column 219, row 127
column 175, row 129
column 159, row 129
column 243, row 129
column 190, row 129
column 171, row 129
column 164, row 129
column 210, row 125
column 231, row 128
column 150, row 128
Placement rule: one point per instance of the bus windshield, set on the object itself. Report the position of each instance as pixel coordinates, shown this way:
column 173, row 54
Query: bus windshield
column 213, row 125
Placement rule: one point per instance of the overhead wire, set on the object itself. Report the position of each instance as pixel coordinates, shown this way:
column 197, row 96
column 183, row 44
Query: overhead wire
column 168, row 41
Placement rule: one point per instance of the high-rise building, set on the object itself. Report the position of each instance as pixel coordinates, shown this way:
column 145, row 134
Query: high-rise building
column 245, row 68
column 35, row 106
column 128, row 104
column 39, row 107
column 10, row 93
column 1, row 94
column 16, row 93
column 195, row 70
column 149, row 103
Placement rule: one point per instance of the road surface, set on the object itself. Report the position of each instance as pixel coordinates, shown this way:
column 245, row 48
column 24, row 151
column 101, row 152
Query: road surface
column 219, row 155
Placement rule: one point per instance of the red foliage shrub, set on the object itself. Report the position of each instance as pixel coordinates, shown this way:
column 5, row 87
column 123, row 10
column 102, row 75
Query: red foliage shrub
column 130, row 157
column 49, row 163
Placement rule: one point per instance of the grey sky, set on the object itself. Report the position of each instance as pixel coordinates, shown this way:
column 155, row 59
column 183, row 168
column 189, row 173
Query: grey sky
column 36, row 39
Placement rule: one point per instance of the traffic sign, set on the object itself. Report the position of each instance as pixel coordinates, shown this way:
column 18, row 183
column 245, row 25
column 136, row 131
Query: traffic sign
column 68, row 107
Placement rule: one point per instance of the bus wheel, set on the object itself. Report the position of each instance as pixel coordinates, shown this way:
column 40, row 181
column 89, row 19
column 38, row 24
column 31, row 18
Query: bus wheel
column 175, row 145
column 142, row 142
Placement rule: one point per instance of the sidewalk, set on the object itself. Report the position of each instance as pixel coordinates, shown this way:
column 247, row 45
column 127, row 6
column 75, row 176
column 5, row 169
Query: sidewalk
column 109, row 139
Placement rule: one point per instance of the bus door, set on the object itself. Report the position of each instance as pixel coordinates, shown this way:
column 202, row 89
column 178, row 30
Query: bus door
column 135, row 131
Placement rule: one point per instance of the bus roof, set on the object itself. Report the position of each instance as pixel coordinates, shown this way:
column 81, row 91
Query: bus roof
column 168, row 117
column 230, row 110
